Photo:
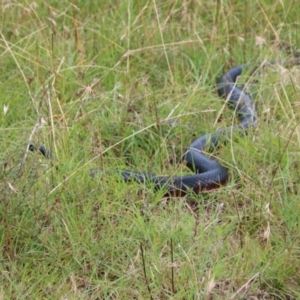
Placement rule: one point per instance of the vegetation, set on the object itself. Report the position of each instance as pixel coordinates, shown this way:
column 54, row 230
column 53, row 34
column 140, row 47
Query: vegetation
column 128, row 85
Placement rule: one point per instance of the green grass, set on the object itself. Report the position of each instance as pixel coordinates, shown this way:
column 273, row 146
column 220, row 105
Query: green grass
column 129, row 84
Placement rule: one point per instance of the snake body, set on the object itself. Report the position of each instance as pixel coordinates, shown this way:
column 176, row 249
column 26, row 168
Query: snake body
column 209, row 174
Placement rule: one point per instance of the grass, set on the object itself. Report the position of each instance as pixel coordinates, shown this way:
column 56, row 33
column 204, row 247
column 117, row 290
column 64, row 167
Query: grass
column 129, row 84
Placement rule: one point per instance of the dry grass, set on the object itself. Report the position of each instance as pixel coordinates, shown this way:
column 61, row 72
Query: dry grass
column 130, row 84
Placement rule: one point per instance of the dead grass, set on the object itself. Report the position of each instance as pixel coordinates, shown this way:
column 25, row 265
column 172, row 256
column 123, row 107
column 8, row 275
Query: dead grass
column 128, row 85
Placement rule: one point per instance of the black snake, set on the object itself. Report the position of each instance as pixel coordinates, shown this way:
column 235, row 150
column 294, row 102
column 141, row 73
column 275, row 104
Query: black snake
column 208, row 173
